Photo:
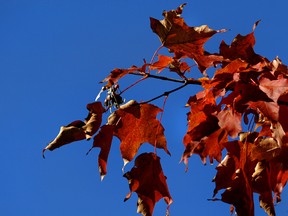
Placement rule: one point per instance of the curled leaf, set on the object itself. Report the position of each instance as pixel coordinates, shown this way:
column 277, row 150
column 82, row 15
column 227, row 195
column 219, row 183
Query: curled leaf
column 67, row 134
column 79, row 130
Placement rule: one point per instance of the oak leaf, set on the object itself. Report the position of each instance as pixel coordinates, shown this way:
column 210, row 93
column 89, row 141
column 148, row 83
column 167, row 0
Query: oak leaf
column 136, row 124
column 147, row 179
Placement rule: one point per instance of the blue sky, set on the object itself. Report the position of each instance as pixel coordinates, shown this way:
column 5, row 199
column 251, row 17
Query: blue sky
column 53, row 53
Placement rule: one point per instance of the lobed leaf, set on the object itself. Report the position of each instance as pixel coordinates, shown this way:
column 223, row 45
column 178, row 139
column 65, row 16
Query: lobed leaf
column 136, row 124
column 147, row 179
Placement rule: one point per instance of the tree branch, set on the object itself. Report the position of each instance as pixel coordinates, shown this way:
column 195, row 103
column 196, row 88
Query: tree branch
column 188, row 81
column 166, row 93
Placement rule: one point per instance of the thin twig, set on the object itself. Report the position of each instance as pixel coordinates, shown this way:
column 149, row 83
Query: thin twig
column 143, row 78
column 155, row 53
column 166, row 93
column 160, row 121
column 189, row 80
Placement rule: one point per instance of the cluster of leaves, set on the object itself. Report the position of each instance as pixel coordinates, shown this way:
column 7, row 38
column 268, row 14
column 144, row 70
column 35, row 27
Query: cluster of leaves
column 241, row 109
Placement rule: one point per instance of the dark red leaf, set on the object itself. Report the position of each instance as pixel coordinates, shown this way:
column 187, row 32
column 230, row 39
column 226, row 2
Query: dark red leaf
column 147, row 179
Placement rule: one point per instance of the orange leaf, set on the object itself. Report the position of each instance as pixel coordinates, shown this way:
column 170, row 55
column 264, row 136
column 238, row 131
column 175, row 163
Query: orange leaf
column 162, row 63
column 136, row 124
column 208, row 146
column 147, row 179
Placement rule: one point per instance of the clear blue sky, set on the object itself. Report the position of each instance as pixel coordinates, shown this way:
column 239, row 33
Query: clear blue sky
column 53, row 53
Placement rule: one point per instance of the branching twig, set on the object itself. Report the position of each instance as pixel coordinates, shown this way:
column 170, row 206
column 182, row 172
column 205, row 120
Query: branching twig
column 160, row 121
column 188, row 81
column 143, row 78
column 166, row 93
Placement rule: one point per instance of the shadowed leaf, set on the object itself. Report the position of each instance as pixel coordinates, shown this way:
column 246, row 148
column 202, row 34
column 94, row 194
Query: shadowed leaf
column 147, row 179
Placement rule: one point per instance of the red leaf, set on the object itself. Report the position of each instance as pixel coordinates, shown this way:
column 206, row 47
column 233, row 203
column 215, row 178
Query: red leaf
column 179, row 37
column 268, row 109
column 147, row 179
column 230, row 121
column 262, row 185
column 209, row 146
column 242, row 47
column 118, row 73
column 103, row 140
column 136, row 124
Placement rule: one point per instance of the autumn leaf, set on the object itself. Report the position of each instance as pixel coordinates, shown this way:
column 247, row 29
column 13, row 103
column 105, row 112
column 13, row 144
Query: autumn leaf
column 67, row 134
column 103, row 140
column 162, row 63
column 210, row 146
column 230, row 121
column 279, row 175
column 147, row 179
column 78, row 130
column 94, row 119
column 118, row 73
column 283, row 110
column 177, row 36
column 265, row 148
column 237, row 169
column 136, row 124
column 223, row 77
column 268, row 109
column 242, row 47
column 261, row 185
column 274, row 88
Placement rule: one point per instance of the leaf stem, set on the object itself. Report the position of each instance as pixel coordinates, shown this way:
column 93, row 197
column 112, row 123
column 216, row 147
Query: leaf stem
column 143, row 78
column 160, row 121
column 153, row 57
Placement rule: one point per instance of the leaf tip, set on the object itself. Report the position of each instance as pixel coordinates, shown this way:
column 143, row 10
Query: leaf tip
column 43, row 151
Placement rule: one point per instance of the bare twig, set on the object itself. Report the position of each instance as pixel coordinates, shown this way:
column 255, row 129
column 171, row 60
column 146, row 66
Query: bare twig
column 166, row 93
column 188, row 81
